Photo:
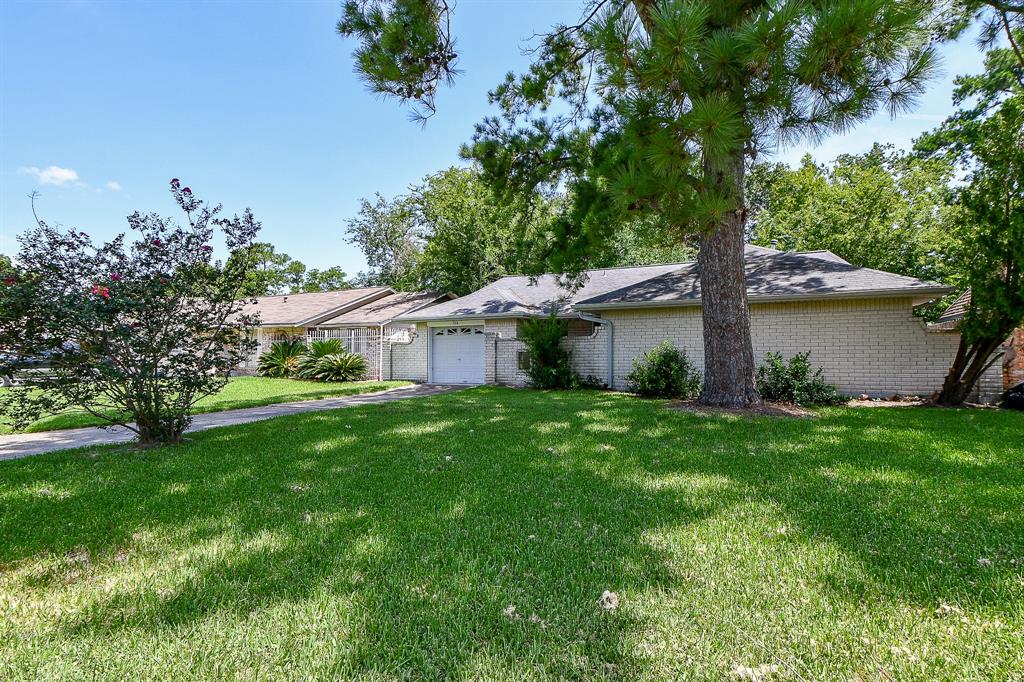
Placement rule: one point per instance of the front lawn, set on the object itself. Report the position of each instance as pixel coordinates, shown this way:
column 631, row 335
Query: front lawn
column 471, row 536
column 240, row 392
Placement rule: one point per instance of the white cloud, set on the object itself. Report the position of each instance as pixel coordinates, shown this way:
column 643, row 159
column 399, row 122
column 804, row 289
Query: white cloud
column 51, row 175
column 114, row 185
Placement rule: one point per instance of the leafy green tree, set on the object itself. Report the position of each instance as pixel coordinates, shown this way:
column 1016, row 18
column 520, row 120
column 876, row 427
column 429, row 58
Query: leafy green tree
column 453, row 233
column 471, row 236
column 986, row 136
column 661, row 104
column 6, row 266
column 387, row 234
column 329, row 279
column 271, row 272
column 884, row 209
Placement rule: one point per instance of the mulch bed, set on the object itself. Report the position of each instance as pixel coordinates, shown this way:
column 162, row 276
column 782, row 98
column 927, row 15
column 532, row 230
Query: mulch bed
column 765, row 410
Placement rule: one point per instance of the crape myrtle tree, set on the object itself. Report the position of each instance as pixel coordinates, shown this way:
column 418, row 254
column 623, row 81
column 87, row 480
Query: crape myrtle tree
column 655, row 106
column 986, row 137
column 134, row 334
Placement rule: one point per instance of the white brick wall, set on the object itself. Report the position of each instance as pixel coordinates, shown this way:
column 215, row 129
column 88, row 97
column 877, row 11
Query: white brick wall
column 874, row 346
column 407, row 360
column 502, row 346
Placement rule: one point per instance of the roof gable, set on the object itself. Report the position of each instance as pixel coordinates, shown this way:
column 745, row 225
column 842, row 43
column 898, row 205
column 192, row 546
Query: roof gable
column 300, row 310
column 385, row 309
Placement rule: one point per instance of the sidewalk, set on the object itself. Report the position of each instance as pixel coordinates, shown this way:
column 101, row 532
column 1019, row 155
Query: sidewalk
column 25, row 444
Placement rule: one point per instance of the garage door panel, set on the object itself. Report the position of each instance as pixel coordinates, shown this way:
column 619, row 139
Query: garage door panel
column 458, row 355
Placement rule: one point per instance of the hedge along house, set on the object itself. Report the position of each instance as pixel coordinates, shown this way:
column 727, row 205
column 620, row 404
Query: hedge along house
column 359, row 318
column 858, row 324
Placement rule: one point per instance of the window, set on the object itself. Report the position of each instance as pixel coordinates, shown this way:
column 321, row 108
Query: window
column 578, row 327
column 523, row 360
column 574, row 327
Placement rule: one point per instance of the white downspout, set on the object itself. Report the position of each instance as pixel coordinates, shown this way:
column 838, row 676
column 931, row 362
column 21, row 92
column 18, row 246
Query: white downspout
column 611, row 338
column 380, row 354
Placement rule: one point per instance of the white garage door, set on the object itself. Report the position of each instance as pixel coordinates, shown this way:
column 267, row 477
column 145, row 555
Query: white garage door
column 458, row 355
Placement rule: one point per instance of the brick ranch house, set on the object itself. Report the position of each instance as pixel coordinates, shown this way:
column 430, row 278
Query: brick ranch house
column 857, row 323
column 362, row 319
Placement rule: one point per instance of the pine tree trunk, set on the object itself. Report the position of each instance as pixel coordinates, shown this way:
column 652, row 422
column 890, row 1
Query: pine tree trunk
column 728, row 352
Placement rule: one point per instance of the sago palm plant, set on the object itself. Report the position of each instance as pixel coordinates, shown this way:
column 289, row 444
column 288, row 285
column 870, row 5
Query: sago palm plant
column 341, row 366
column 308, row 363
column 282, row 360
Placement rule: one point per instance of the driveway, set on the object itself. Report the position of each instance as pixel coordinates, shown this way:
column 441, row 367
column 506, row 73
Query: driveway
column 24, row 444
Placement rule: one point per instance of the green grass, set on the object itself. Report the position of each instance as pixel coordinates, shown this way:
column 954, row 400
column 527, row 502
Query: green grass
column 240, row 392
column 388, row 541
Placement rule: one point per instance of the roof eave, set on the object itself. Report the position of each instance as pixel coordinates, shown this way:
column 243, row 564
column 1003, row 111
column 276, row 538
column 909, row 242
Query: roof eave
column 781, row 298
column 462, row 318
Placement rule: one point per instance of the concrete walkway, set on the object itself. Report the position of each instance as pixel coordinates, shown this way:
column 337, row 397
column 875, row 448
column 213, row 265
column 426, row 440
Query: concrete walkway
column 24, row 444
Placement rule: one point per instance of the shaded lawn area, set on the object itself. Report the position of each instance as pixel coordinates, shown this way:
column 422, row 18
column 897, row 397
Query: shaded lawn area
column 240, row 392
column 390, row 541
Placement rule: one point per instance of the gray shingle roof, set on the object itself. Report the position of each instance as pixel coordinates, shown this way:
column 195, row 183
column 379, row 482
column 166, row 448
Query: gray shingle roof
column 771, row 275
column 518, row 296
column 385, row 309
column 299, row 310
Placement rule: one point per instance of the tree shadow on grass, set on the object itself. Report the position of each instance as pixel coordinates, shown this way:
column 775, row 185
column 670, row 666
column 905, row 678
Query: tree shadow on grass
column 427, row 520
column 417, row 511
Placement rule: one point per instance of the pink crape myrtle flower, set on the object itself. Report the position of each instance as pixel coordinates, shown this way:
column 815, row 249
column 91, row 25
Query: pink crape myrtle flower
column 103, row 291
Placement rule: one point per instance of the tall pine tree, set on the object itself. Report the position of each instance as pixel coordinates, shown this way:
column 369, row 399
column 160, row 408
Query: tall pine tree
column 661, row 104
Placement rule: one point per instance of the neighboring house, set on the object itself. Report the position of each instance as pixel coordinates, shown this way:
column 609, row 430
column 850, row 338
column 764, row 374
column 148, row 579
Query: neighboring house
column 1012, row 349
column 360, row 318
column 857, row 323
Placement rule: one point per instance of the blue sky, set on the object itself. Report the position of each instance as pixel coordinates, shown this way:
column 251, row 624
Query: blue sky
column 255, row 104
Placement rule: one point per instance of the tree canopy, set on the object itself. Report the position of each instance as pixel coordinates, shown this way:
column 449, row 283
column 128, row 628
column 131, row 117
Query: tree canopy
column 884, row 209
column 452, row 233
column 272, row 272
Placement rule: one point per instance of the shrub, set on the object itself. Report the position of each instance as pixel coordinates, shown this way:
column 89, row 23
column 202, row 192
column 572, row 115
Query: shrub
column 282, row 360
column 308, row 366
column 549, row 362
column 343, row 366
column 664, row 372
column 794, row 382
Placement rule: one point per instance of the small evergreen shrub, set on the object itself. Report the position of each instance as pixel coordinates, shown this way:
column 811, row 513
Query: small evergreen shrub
column 664, row 372
column 282, row 360
column 794, row 382
column 549, row 361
